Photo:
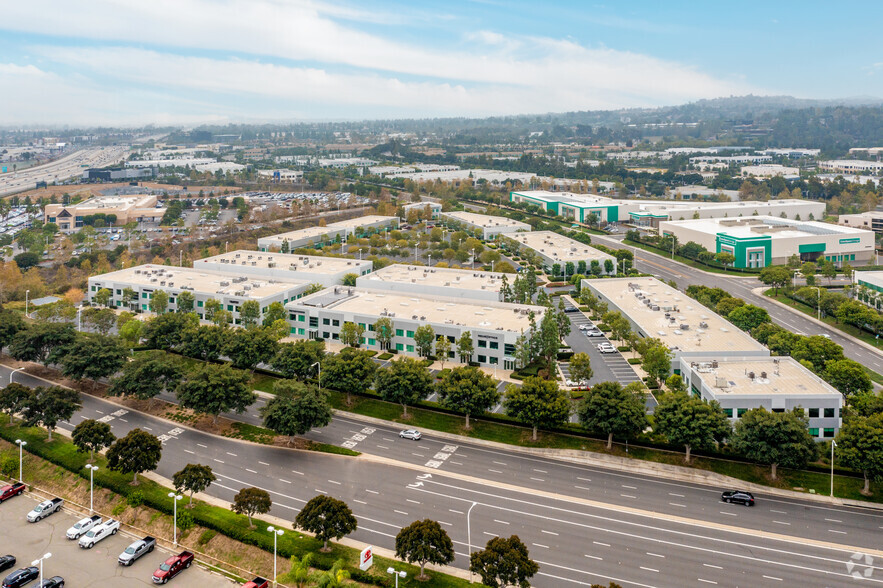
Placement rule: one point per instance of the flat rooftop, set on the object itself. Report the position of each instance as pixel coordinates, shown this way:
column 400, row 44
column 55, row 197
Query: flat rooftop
column 748, row 206
column 558, row 247
column 163, row 277
column 705, row 330
column 436, row 276
column 757, row 226
column 427, row 309
column 117, row 202
column 362, row 221
column 486, row 221
column 582, row 199
column 873, row 278
column 761, row 376
column 307, row 233
column 285, row 261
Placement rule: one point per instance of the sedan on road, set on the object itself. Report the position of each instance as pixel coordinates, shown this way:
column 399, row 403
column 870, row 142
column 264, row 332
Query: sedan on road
column 53, row 582
column 412, row 434
column 606, row 348
column 738, row 496
column 6, row 562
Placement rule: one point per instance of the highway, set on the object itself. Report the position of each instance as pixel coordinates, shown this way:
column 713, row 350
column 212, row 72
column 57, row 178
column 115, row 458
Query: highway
column 582, row 524
column 66, row 167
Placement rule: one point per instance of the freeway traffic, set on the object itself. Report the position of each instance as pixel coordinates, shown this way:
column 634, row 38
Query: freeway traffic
column 582, row 524
column 61, row 169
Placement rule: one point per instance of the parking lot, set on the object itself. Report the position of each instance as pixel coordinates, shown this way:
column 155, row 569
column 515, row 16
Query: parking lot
column 80, row 567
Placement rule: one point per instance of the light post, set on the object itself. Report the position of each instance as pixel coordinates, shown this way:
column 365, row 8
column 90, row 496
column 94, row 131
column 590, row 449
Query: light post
column 360, row 254
column 181, row 258
column 469, row 535
column 430, row 260
column 276, row 534
column 80, row 319
column 833, row 445
column 818, row 303
column 492, row 265
column 397, row 574
column 27, row 295
column 91, row 469
column 473, row 258
column 318, row 366
column 40, row 563
column 13, row 373
column 20, row 444
column 175, row 498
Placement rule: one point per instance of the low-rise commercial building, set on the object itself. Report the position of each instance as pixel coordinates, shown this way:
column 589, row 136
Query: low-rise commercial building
column 777, row 384
column 434, row 208
column 318, row 237
column 851, row 165
column 125, row 209
column 759, row 241
column 770, row 170
column 493, row 326
column 314, row 269
column 429, row 281
column 871, row 220
column 482, row 225
column 230, row 289
column 869, row 288
column 554, row 249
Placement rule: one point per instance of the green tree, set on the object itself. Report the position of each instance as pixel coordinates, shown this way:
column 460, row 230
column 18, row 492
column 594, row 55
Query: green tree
column 39, row 340
column 296, row 409
column 213, row 389
column 860, row 447
column 468, row 390
column 91, row 435
column 246, row 348
column 465, row 348
column 538, row 403
column 350, row 279
column 327, row 518
column 193, row 478
column 137, row 452
column 724, row 258
column 300, row 574
column 185, row 301
column 443, row 349
column 504, row 562
column 275, row 312
column 808, row 271
column 100, row 319
column 581, row 367
column 351, row 371
column 212, row 306
column 204, row 342
column 384, row 332
column 423, row 339
column 10, row 324
column 46, row 406
column 336, row 577
column 93, row 357
column 159, row 302
column 103, row 297
column 690, row 421
column 610, row 409
column 130, row 298
column 250, row 502
column 656, row 361
column 777, row 276
column 296, row 360
column 249, row 313
column 774, row 439
column 351, row 333
column 147, row 376
column 728, row 305
column 406, row 381
column 424, row 542
column 14, row 398
column 816, row 350
column 848, row 376
column 748, row 316
column 130, row 332
column 166, row 330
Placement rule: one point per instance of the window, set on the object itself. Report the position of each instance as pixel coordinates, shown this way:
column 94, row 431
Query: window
column 326, row 321
column 728, row 412
column 143, row 307
column 400, row 332
column 301, row 318
column 119, row 292
column 509, row 349
column 494, row 345
column 400, row 347
column 482, row 343
column 740, row 412
column 230, row 307
column 482, row 359
column 828, row 433
column 778, row 410
column 829, row 413
column 411, row 334
column 325, row 334
column 362, row 325
column 335, row 323
column 814, row 432
column 144, row 295
column 171, row 300
column 371, row 328
column 293, row 330
column 410, row 348
column 200, row 303
column 372, row 341
column 494, row 360
column 814, row 413
column 335, row 336
column 300, row 331
column 314, row 321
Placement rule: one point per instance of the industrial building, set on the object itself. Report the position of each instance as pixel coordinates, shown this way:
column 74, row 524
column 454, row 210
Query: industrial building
column 428, row 281
column 434, row 208
column 328, row 271
column 494, row 326
column 230, row 289
column 871, row 220
column 770, row 170
column 318, row 237
column 484, row 226
column 126, row 209
column 554, row 249
column 775, row 383
column 851, row 165
column 759, row 241
column 872, row 281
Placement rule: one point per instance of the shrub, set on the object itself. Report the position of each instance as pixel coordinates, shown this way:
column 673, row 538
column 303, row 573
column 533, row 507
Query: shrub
column 634, row 360
column 384, row 356
column 119, row 509
column 207, row 536
column 603, row 327
column 9, row 465
column 624, row 348
column 135, row 498
column 185, row 520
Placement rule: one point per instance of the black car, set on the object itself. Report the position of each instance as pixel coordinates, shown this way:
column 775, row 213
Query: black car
column 53, row 582
column 21, row 577
column 6, row 562
column 739, row 496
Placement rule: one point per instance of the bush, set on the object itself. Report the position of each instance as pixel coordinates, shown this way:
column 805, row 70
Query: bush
column 384, row 356
column 119, row 509
column 206, row 536
column 634, row 360
column 565, row 355
column 185, row 520
column 370, row 352
column 603, row 327
column 9, row 465
column 623, row 348
column 135, row 498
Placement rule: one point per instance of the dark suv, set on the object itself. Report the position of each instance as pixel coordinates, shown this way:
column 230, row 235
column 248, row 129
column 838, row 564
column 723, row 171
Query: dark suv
column 745, row 498
column 21, row 577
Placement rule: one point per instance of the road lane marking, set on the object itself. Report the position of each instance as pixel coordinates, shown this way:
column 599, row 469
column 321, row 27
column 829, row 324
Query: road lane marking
column 491, row 534
column 319, row 491
column 540, row 545
column 678, row 505
column 359, row 501
column 455, row 511
column 218, row 460
column 401, row 512
column 729, row 514
column 286, row 481
column 444, row 523
column 655, row 555
column 334, row 482
column 627, row 496
column 548, row 532
column 706, row 581
column 594, row 557
column 372, row 491
column 630, row 487
column 190, row 452
column 835, row 531
column 297, row 472
column 495, row 471
column 599, row 543
column 781, row 523
column 674, row 494
column 713, row 566
column 582, row 487
column 382, row 447
column 263, row 463
column 538, row 479
column 778, row 511
column 252, row 471
column 418, row 454
column 501, row 522
column 584, row 479
column 456, row 463
column 540, row 471
column 414, row 501
column 773, row 578
column 499, row 463
column 649, row 569
column 203, row 446
column 833, row 521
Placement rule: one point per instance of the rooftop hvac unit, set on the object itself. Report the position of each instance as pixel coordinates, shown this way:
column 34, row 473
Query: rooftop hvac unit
column 260, row 256
column 714, row 364
column 721, row 383
column 269, row 258
column 251, row 256
column 685, row 327
column 763, row 375
column 137, row 271
column 254, row 263
column 654, row 307
column 163, row 283
column 225, row 283
column 703, row 325
column 751, row 376
column 237, row 256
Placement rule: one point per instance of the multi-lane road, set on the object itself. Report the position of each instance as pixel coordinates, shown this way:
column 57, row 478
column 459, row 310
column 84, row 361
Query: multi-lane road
column 61, row 169
column 582, row 524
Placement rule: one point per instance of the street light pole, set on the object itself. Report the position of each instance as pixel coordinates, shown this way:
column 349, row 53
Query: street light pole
column 175, row 498
column 13, row 372
column 40, row 562
column 80, row 319
column 833, row 445
column 469, row 535
column 473, row 258
column 818, row 303
column 360, row 255
column 91, row 469
column 276, row 533
column 20, row 444
column 397, row 574
column 319, row 367
column 27, row 296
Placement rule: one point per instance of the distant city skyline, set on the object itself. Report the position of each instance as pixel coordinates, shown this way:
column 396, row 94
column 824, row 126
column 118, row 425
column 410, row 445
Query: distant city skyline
column 203, row 61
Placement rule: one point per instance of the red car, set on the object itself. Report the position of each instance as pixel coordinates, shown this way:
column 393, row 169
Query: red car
column 172, row 567
column 257, row 583
column 7, row 492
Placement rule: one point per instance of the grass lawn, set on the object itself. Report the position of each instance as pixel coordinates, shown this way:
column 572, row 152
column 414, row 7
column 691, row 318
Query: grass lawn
column 686, row 261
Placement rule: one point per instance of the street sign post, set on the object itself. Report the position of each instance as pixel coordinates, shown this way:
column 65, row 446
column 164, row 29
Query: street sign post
column 366, row 559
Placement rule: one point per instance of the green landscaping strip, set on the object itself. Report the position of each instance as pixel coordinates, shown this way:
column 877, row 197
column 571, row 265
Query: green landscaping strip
column 687, row 261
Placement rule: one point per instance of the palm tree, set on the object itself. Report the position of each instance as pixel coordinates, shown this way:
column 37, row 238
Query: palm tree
column 336, row 577
column 300, row 575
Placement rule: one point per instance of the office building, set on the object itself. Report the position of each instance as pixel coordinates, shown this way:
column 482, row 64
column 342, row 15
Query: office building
column 759, row 241
column 318, row 237
column 770, row 170
column 484, row 226
column 428, row 281
column 125, row 209
column 314, row 269
column 434, row 209
column 851, row 166
column 554, row 249
column 871, row 220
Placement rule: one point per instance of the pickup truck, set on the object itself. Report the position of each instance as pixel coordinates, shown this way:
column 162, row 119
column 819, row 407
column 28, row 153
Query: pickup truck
column 82, row 526
column 99, row 532
column 172, row 567
column 136, row 550
column 7, row 492
column 44, row 509
column 257, row 583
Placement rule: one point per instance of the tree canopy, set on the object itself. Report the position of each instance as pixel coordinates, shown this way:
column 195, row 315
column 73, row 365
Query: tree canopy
column 504, row 562
column 213, row 389
column 610, row 409
column 327, row 518
column 296, row 409
column 774, row 439
column 538, row 403
column 424, row 542
column 690, row 421
column 406, row 381
column 468, row 390
column 137, row 452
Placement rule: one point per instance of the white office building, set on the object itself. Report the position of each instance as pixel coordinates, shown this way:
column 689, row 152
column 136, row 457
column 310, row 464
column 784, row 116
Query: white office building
column 852, row 166
column 438, row 281
column 485, row 226
column 319, row 237
column 434, row 208
column 314, row 269
column 554, row 249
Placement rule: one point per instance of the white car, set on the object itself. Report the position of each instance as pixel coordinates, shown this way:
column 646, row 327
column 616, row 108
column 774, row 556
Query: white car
column 96, row 534
column 594, row 333
column 82, row 526
column 606, row 348
column 412, row 434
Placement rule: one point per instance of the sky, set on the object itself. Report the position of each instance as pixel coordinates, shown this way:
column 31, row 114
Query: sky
column 186, row 62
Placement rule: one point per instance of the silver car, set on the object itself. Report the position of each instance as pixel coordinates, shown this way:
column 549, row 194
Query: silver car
column 412, row 434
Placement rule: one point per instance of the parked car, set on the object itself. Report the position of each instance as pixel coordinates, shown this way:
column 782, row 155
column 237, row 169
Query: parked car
column 739, row 496
column 99, row 533
column 21, row 577
column 53, row 582
column 136, row 550
column 7, row 492
column 6, row 562
column 82, row 526
column 172, row 567
column 44, row 509
column 594, row 333
column 413, row 434
column 257, row 583
column 606, row 348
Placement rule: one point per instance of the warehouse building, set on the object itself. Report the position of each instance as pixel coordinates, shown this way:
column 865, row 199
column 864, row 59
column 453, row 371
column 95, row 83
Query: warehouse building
column 125, row 209
column 759, row 241
column 494, row 326
column 869, row 288
column 777, row 384
column 554, row 249
column 434, row 208
column 484, row 226
column 427, row 281
column 328, row 271
column 319, row 237
column 871, row 220
column 230, row 289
